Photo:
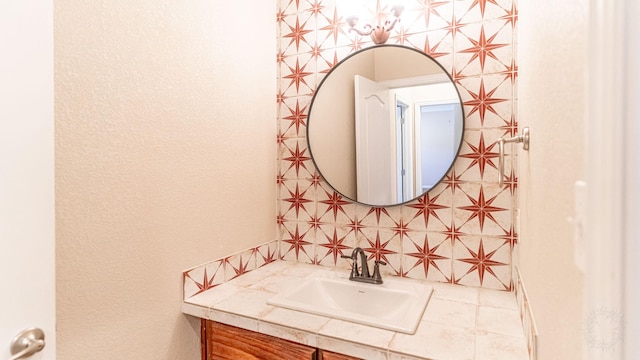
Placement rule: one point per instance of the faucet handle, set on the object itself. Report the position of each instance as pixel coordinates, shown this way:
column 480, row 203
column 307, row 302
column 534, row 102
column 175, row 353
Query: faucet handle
column 377, row 278
column 354, row 270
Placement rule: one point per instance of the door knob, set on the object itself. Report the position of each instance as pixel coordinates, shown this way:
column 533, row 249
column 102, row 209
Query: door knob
column 27, row 343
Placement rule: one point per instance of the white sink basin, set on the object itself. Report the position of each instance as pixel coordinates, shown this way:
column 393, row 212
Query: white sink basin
column 396, row 305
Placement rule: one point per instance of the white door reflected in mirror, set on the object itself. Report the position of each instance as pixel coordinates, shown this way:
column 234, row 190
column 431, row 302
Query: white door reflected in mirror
column 375, row 143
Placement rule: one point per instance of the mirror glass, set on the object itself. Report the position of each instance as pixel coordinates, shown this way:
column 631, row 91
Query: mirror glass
column 385, row 125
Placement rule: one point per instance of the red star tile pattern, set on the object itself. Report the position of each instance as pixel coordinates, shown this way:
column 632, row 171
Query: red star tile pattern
column 475, row 41
column 511, row 182
column 510, row 127
column 452, row 180
column 335, row 203
column 378, row 211
column 426, row 255
column 483, row 101
column 209, row 275
column 511, row 17
column 316, row 7
column 236, row 268
column 335, row 26
column 481, row 155
column 297, row 117
column 314, row 222
column 267, row 255
column 355, row 225
column 510, row 72
column 297, row 33
column 316, row 180
column 432, row 49
column 481, row 263
column 206, row 283
column 378, row 250
column 453, row 233
column 429, row 8
column 510, row 237
column 427, row 207
column 335, row 246
column 297, row 200
column 482, row 5
column 297, row 75
column 400, row 229
column 296, row 242
column 482, row 48
column 453, row 27
column 482, row 209
column 297, row 159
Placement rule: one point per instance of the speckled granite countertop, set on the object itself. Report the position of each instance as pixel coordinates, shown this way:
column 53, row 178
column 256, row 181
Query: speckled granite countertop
column 458, row 323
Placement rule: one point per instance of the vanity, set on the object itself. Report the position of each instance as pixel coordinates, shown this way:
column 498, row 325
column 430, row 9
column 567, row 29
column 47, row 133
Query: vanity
column 458, row 322
column 394, row 173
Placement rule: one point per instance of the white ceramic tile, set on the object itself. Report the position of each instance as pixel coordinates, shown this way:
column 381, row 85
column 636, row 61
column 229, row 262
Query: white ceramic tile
column 275, row 283
column 448, row 312
column 436, row 341
column 279, row 266
column 328, row 273
column 248, row 302
column 239, row 264
column 195, row 310
column 267, row 253
column 214, row 295
column 234, row 320
column 351, row 349
column 455, row 293
column 203, row 277
column 296, row 319
column 288, row 333
column 249, row 278
column 365, row 335
column 500, row 321
column 498, row 347
column 297, row 269
column 498, row 299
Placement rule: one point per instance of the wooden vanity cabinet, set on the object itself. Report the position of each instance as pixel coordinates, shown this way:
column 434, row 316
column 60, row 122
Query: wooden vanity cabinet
column 225, row 342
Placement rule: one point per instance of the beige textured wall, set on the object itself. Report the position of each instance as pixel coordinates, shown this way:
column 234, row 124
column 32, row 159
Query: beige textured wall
column 165, row 158
column 552, row 48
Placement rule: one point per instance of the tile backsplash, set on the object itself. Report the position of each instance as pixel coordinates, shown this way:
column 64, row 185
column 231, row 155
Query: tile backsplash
column 463, row 230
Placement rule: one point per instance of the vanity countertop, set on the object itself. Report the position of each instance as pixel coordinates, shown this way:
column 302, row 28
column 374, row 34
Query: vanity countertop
column 458, row 323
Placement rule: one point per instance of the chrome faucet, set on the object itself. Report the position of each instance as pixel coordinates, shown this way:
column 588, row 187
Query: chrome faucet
column 363, row 275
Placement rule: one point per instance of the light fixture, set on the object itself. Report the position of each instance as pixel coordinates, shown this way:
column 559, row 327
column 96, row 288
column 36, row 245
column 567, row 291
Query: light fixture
column 383, row 23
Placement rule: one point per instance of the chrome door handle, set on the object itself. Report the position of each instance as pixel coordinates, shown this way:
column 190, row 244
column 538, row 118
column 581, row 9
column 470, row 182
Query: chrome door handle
column 27, row 343
column 524, row 139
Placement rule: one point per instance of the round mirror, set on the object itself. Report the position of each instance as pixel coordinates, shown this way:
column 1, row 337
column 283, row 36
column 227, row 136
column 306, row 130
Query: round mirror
column 385, row 125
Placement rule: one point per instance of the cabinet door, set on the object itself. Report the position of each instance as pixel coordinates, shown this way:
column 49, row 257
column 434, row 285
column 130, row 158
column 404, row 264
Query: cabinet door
column 326, row 355
column 224, row 342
